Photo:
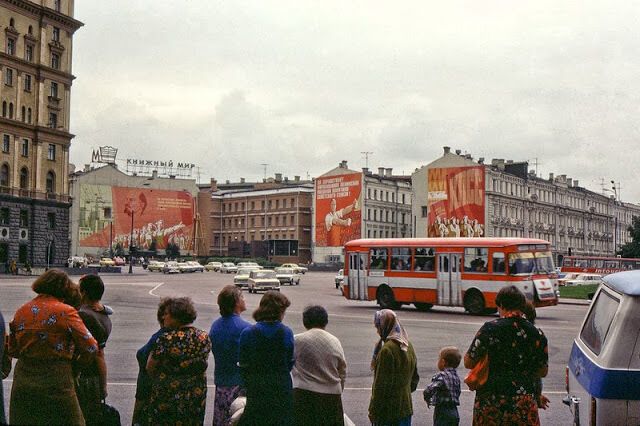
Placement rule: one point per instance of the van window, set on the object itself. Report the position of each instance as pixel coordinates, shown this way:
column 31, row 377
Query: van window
column 596, row 327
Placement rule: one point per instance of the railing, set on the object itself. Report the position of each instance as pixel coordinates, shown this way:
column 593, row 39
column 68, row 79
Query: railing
column 38, row 195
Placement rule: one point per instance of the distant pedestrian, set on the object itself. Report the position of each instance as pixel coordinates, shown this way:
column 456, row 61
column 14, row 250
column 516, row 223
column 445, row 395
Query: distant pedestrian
column 46, row 334
column 177, row 365
column 13, row 267
column 395, row 373
column 92, row 381
column 225, row 341
column 444, row 390
column 266, row 359
column 319, row 372
column 517, row 357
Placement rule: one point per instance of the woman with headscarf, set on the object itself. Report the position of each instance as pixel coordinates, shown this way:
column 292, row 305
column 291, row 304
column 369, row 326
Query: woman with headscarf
column 395, row 373
column 46, row 335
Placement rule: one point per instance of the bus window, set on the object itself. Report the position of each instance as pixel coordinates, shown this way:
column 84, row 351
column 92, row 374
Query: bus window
column 424, row 260
column 400, row 259
column 521, row 263
column 610, row 264
column 544, row 262
column 628, row 265
column 498, row 263
column 476, row 259
column 567, row 261
column 378, row 258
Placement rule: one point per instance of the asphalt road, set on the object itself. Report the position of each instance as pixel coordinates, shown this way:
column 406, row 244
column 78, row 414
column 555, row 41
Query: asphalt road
column 135, row 297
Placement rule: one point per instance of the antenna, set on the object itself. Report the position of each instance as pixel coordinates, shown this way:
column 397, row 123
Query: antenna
column 536, row 163
column 366, row 157
column 264, row 167
column 198, row 175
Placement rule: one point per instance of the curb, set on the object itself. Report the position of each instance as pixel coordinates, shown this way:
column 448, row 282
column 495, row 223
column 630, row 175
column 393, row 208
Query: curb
column 579, row 302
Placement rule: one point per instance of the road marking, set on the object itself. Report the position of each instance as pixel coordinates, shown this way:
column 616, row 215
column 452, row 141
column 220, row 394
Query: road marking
column 155, row 288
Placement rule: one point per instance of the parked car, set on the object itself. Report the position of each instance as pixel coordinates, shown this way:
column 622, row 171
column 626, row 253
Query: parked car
column 299, row 269
column 242, row 277
column 105, row 261
column 195, row 266
column 155, row 266
column 213, row 266
column 604, row 365
column 584, row 279
column 263, row 280
column 77, row 262
column 253, row 265
column 119, row 261
column 228, row 267
column 339, row 279
column 287, row 276
column 568, row 276
column 171, row 267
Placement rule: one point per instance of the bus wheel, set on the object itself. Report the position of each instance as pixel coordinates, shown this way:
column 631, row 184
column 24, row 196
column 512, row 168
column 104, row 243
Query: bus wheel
column 474, row 302
column 423, row 306
column 386, row 300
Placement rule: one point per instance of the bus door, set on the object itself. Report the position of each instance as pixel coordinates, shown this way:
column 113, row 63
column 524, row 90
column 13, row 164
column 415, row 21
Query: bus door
column 449, row 279
column 358, row 265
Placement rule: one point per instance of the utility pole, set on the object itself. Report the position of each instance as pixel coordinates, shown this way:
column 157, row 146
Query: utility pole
column 366, row 157
column 264, row 167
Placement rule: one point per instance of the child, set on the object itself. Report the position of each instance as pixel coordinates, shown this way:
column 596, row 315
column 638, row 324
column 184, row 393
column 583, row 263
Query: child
column 444, row 390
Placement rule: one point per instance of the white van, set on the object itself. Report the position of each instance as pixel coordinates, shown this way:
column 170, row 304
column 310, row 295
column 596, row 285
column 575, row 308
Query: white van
column 603, row 375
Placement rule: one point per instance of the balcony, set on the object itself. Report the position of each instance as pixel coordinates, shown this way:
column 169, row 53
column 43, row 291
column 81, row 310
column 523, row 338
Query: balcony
column 38, row 195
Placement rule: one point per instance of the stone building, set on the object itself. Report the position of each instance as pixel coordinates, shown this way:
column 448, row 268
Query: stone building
column 508, row 200
column 351, row 204
column 164, row 211
column 269, row 219
column 36, row 78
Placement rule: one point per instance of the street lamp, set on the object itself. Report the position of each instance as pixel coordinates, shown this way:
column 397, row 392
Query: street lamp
column 130, row 209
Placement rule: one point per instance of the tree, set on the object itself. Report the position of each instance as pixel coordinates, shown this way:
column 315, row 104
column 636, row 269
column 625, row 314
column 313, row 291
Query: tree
column 172, row 250
column 118, row 250
column 632, row 248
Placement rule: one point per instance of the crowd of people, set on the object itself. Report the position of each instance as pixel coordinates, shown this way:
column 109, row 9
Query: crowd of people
column 59, row 338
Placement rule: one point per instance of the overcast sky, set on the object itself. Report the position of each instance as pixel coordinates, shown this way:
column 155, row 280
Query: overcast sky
column 302, row 85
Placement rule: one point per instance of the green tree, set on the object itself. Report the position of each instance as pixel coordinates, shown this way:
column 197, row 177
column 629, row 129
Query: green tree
column 172, row 250
column 632, row 248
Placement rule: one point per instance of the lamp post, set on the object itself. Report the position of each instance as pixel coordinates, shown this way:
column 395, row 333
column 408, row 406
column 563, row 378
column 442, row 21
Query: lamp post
column 130, row 209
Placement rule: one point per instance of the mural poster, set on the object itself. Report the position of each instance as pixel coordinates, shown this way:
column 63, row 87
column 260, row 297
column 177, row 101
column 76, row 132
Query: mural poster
column 338, row 209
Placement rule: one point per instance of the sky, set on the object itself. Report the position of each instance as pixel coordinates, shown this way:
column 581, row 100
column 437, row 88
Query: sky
column 302, row 85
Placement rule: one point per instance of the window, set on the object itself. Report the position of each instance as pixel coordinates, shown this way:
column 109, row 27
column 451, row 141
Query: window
column 424, row 211
column 4, row 175
column 24, row 218
column 403, row 199
column 29, row 115
column 10, row 109
column 55, row 61
column 8, row 77
column 6, row 140
column 56, row 34
column 424, row 259
column 4, row 216
column 498, row 263
column 23, row 251
column 53, row 120
column 253, row 205
column 51, row 220
column 106, row 212
column 378, row 258
column 24, row 178
column 475, row 259
column 596, row 327
column 278, row 204
column 28, row 53
column 400, row 259
column 56, row 5
column 30, row 30
column 25, row 147
column 11, row 46
column 54, row 90
column 4, row 108
column 51, row 182
column 23, row 114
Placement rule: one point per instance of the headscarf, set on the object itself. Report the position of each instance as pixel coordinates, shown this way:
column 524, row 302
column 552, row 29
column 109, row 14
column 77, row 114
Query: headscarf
column 389, row 328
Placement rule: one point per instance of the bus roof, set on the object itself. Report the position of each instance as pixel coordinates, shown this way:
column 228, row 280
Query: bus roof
column 451, row 242
column 627, row 282
column 602, row 258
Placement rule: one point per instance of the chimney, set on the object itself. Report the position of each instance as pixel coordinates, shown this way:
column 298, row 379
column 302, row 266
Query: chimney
column 498, row 162
column 569, row 182
column 509, row 161
column 551, row 177
column 458, row 151
column 481, row 160
column 241, row 180
column 576, row 183
column 227, row 182
column 87, row 167
column 365, row 170
column 154, row 174
column 278, row 177
column 388, row 172
column 447, row 149
column 380, row 171
column 343, row 164
column 214, row 184
column 467, row 156
column 286, row 178
column 296, row 178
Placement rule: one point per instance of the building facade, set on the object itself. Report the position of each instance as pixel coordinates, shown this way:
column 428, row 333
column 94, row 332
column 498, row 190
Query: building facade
column 164, row 211
column 35, row 89
column 505, row 199
column 269, row 219
column 351, row 204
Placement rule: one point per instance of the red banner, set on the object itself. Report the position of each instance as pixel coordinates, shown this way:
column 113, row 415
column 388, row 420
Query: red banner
column 338, row 209
column 456, row 202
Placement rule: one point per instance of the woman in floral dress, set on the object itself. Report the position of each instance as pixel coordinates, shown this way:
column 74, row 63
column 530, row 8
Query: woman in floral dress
column 178, row 365
column 518, row 358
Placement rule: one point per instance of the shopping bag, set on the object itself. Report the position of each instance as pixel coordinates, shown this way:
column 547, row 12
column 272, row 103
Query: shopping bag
column 479, row 374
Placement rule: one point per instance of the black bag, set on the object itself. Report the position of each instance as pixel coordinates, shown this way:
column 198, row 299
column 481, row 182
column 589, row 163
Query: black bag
column 108, row 415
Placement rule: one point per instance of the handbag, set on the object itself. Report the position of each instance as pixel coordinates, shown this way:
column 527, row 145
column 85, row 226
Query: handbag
column 108, row 415
column 478, row 375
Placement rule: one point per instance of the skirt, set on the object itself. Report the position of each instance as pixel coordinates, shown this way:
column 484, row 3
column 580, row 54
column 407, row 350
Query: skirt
column 317, row 409
column 43, row 393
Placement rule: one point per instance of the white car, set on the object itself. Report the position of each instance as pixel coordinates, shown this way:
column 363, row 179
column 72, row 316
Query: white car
column 77, row 262
column 252, row 265
column 213, row 266
column 242, row 277
column 263, row 280
column 339, row 279
column 287, row 276
column 568, row 276
column 171, row 267
column 195, row 266
column 584, row 279
column 299, row 269
column 155, row 266
column 228, row 267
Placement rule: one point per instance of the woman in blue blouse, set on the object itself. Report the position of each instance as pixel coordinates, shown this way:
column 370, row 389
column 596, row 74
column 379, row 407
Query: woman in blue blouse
column 266, row 359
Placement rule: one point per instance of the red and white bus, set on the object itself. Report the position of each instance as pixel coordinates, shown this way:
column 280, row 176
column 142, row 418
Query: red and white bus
column 466, row 272
column 598, row 265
